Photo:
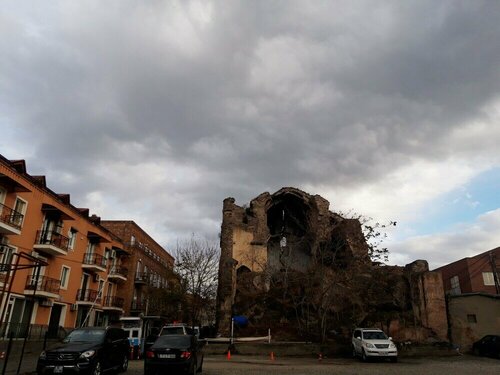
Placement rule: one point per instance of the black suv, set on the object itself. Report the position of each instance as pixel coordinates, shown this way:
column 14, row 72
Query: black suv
column 90, row 350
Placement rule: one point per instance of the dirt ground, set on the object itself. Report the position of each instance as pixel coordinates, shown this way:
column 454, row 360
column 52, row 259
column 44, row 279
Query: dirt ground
column 250, row 365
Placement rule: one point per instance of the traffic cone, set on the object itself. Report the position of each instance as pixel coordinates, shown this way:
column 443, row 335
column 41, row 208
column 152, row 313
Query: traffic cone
column 229, row 355
column 272, row 356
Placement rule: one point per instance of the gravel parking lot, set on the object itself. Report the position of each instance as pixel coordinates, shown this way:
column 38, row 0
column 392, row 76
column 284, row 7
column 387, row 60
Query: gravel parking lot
column 238, row 365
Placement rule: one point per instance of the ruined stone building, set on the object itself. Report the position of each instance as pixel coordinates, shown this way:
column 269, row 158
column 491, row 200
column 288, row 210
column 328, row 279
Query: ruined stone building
column 289, row 263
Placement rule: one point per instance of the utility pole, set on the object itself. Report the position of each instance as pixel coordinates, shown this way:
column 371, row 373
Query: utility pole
column 495, row 273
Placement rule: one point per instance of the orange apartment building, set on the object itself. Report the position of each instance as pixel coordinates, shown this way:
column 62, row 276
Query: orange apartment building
column 83, row 260
column 149, row 264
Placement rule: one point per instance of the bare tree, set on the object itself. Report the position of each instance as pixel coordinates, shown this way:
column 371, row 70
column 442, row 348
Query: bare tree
column 197, row 264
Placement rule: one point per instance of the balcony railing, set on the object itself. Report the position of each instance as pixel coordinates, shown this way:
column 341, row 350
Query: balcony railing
column 138, row 306
column 92, row 259
column 52, row 238
column 142, row 277
column 88, row 295
column 113, row 301
column 11, row 217
column 44, row 284
column 31, row 331
column 120, row 271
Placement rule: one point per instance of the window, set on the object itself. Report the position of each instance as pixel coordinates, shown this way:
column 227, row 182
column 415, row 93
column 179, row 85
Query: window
column 488, row 278
column 132, row 240
column 20, row 209
column 471, row 318
column 72, row 238
column 455, row 285
column 64, row 277
column 91, row 248
column 100, row 288
column 6, row 253
column 3, row 194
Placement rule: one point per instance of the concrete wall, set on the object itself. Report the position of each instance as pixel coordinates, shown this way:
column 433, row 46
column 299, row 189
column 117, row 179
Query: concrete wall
column 463, row 309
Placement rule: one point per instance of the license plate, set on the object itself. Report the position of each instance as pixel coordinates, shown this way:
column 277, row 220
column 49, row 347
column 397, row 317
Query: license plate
column 382, row 353
column 166, row 356
column 58, row 370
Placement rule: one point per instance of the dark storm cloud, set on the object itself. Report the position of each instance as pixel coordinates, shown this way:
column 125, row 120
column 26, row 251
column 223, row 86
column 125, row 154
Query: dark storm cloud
column 240, row 96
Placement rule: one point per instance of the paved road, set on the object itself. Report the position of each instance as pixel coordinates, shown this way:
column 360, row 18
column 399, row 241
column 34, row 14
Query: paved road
column 466, row 365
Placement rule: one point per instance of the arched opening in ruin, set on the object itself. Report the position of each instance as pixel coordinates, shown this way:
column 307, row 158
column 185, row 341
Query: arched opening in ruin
column 288, row 246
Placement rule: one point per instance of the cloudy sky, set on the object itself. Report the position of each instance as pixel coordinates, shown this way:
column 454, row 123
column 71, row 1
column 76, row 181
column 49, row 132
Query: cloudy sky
column 157, row 110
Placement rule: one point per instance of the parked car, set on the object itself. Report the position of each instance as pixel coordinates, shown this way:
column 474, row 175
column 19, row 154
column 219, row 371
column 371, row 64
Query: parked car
column 174, row 353
column 373, row 343
column 176, row 329
column 90, row 350
column 488, row 346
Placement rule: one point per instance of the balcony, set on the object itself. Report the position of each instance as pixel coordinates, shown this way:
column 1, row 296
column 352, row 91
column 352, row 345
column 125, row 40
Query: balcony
column 94, row 262
column 47, row 287
column 141, row 278
column 138, row 306
column 51, row 243
column 11, row 221
column 113, row 303
column 118, row 273
column 88, row 297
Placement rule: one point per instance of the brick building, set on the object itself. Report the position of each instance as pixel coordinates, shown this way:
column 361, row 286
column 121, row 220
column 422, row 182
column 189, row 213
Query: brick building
column 78, row 261
column 473, row 274
column 150, row 266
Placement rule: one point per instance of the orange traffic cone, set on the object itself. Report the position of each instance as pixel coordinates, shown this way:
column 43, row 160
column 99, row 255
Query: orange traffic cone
column 229, row 355
column 272, row 356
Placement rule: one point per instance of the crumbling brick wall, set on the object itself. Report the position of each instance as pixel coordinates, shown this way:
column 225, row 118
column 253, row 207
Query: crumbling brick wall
column 291, row 231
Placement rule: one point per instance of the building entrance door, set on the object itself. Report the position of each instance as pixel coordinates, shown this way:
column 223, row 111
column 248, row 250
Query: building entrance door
column 55, row 318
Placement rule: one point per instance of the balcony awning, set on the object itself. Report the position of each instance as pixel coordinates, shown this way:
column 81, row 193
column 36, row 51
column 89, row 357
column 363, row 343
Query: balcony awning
column 48, row 208
column 12, row 184
column 120, row 250
column 96, row 237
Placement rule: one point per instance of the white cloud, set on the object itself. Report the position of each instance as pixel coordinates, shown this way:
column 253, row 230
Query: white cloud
column 461, row 241
column 157, row 111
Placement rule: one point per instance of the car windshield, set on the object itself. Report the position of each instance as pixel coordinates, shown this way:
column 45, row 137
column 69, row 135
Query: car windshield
column 374, row 335
column 172, row 331
column 85, row 335
column 173, row 342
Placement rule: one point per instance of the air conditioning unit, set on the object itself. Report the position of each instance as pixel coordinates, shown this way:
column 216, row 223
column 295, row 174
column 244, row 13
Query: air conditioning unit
column 96, row 277
column 47, row 303
column 73, row 307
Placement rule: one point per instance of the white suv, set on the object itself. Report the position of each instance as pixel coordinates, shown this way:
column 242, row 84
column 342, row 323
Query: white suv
column 372, row 342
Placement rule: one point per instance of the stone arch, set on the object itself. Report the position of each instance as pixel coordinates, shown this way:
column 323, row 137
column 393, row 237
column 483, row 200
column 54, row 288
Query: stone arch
column 288, row 221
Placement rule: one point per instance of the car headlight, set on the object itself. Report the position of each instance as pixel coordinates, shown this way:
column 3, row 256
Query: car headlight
column 392, row 345
column 87, row 354
column 43, row 355
column 368, row 345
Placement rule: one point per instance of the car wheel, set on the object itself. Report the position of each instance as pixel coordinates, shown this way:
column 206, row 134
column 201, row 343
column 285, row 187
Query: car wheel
column 364, row 357
column 394, row 359
column 200, row 369
column 124, row 364
column 97, row 369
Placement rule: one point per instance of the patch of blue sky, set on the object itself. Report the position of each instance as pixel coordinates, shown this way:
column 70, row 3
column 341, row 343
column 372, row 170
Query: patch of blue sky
column 461, row 205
